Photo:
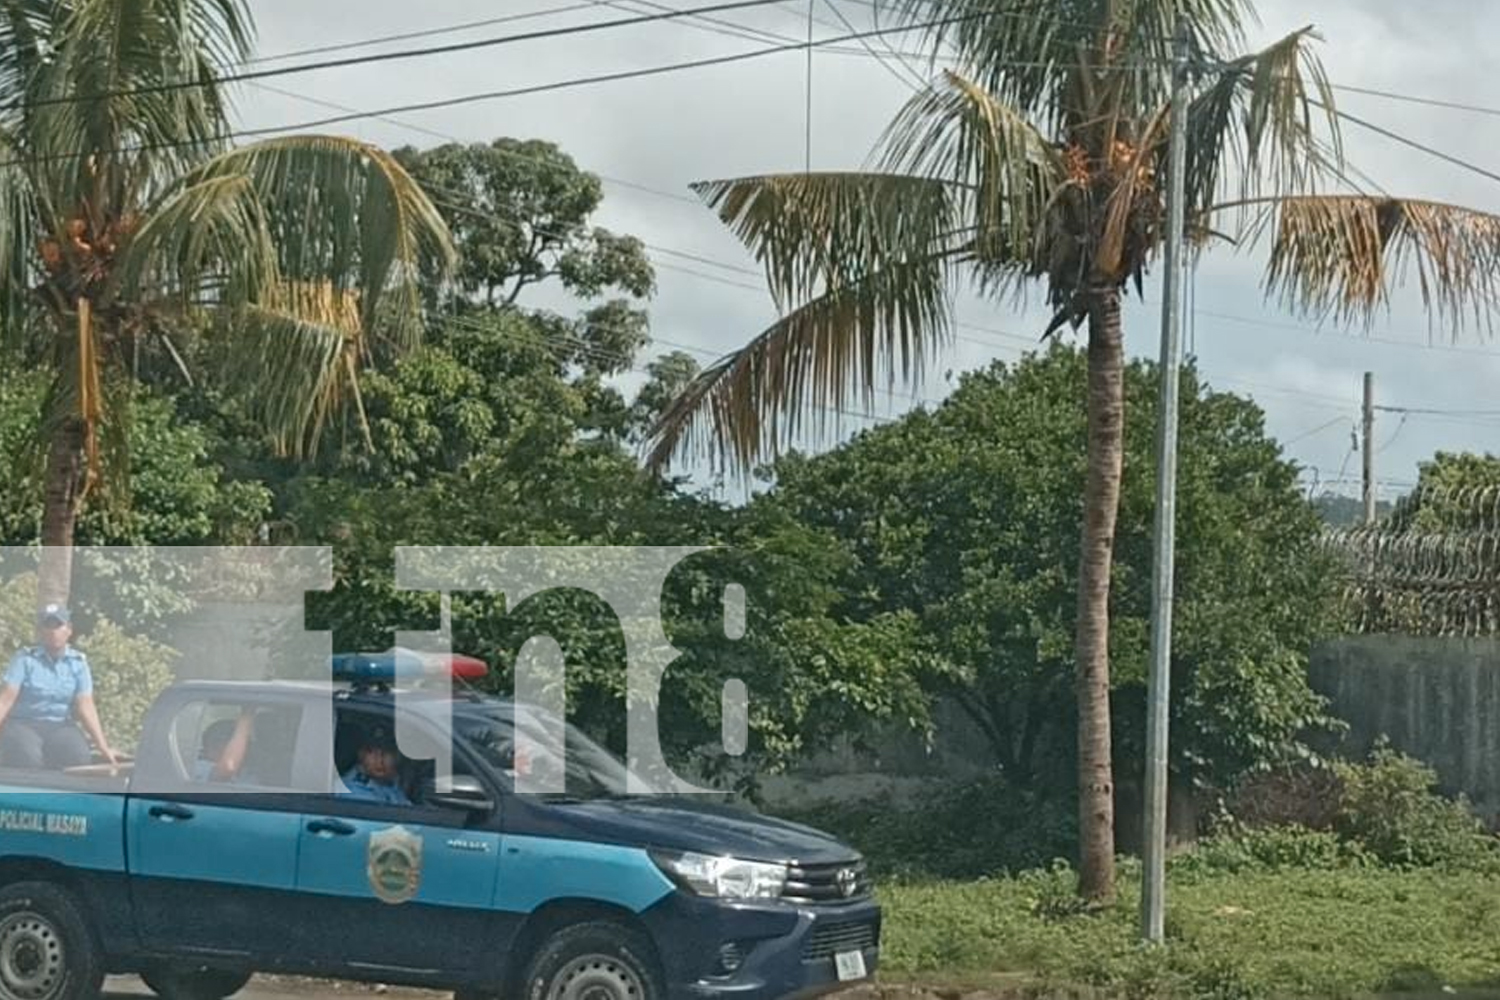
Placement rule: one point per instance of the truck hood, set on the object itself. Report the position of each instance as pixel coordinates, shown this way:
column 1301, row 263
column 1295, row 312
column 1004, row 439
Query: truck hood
column 681, row 823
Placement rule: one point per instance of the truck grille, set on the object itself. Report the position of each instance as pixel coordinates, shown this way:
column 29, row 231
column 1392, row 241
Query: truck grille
column 832, row 883
column 830, row 938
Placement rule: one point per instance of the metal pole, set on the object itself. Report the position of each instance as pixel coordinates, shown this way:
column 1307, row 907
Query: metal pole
column 1158, row 692
column 811, row 7
column 1368, row 447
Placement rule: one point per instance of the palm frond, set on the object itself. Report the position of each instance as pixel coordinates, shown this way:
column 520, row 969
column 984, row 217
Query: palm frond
column 1003, row 172
column 1046, row 57
column 1270, row 116
column 204, row 242
column 820, row 232
column 294, row 356
column 18, row 218
column 807, row 366
column 139, row 128
column 1341, row 256
column 345, row 213
column 25, row 26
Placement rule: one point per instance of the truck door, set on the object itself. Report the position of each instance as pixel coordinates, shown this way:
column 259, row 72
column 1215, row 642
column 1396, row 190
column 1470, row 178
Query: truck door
column 397, row 887
column 213, row 857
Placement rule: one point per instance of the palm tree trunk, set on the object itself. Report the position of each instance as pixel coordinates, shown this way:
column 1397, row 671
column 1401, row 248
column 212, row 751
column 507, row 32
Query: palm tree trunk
column 1101, row 498
column 61, row 499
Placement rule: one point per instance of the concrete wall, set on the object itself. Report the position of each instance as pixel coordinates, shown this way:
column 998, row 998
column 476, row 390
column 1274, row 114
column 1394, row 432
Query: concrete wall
column 1436, row 699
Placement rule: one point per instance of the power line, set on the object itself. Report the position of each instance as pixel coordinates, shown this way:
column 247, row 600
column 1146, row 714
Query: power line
column 1319, row 398
column 487, row 96
column 1414, row 144
column 624, row 362
column 407, row 36
column 379, row 57
column 1394, row 435
column 1315, row 332
column 666, row 14
column 450, row 137
column 1431, row 102
column 402, row 54
column 919, row 84
column 1314, row 432
column 809, row 111
column 1437, row 411
column 1353, row 447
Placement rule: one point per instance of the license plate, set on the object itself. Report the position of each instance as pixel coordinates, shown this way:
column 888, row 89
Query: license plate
column 850, row 965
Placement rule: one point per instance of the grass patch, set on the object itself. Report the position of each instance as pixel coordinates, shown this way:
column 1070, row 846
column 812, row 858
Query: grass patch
column 1239, row 936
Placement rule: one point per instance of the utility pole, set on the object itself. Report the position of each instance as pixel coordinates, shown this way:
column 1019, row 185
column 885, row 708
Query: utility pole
column 1368, row 447
column 1158, row 690
column 811, row 9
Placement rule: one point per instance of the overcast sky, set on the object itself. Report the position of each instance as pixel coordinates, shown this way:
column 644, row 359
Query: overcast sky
column 664, row 132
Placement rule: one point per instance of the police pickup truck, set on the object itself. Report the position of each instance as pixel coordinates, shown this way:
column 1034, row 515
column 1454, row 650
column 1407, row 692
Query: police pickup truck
column 207, row 858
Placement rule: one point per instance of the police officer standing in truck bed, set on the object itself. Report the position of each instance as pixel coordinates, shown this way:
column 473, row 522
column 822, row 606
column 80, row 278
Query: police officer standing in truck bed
column 43, row 689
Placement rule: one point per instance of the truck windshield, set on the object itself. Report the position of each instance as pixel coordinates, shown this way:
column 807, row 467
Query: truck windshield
column 574, row 768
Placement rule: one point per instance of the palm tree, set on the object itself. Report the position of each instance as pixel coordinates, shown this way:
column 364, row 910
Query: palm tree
column 128, row 222
column 1041, row 162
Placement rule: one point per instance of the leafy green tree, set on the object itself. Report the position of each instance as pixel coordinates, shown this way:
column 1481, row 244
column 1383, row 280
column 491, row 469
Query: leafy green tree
column 179, row 495
column 1041, row 159
column 1428, row 566
column 127, row 223
column 520, row 209
column 669, row 375
column 966, row 517
column 487, row 436
column 1455, row 492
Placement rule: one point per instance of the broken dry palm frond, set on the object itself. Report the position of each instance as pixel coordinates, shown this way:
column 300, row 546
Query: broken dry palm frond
column 1341, row 255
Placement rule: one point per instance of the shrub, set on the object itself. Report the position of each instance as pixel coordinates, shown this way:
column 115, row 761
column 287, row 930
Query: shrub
column 1391, row 805
column 1303, row 795
column 129, row 672
column 1272, row 849
column 956, row 831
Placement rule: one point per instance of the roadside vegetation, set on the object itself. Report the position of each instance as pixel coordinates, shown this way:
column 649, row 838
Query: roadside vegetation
column 1396, row 890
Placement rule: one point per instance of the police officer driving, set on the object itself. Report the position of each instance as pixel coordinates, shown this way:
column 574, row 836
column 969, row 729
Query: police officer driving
column 42, row 691
column 375, row 774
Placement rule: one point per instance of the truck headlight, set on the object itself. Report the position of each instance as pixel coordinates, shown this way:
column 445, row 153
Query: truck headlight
column 725, row 878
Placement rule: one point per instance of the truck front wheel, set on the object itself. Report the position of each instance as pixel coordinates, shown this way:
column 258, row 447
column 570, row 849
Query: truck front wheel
column 47, row 951
column 598, row 960
column 191, row 982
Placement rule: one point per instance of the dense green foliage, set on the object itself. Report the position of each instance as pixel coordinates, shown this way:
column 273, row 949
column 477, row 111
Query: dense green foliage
column 177, row 494
column 1385, row 811
column 1390, row 806
column 486, row 437
column 934, row 558
column 967, row 517
column 1456, row 492
column 974, row 829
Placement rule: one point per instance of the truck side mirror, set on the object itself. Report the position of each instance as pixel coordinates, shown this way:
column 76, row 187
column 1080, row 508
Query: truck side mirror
column 464, row 792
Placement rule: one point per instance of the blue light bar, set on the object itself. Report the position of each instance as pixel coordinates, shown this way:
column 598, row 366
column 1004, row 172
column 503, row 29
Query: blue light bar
column 386, row 667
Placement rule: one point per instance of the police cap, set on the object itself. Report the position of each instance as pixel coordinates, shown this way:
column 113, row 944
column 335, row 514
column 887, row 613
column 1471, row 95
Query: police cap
column 377, row 736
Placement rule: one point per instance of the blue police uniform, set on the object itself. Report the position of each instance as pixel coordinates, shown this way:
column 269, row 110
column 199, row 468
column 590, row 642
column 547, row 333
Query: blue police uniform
column 362, row 786
column 39, row 730
column 48, row 686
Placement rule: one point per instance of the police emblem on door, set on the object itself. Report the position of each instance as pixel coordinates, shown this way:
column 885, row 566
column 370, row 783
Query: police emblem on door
column 395, row 864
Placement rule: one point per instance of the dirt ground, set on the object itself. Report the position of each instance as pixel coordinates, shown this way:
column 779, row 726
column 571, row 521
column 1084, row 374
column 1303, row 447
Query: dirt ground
column 266, row 987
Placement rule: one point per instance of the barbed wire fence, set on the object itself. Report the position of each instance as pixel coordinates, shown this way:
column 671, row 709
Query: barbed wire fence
column 1430, row 567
